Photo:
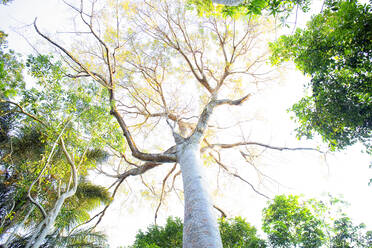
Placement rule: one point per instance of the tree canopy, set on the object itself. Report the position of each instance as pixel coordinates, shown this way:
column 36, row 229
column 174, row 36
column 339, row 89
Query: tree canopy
column 288, row 221
column 280, row 9
column 335, row 49
column 156, row 87
column 43, row 153
column 235, row 233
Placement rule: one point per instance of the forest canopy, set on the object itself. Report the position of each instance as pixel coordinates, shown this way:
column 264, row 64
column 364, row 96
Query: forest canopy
column 161, row 99
column 335, row 49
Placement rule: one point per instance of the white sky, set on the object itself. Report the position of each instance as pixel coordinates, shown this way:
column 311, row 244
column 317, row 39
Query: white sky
column 345, row 173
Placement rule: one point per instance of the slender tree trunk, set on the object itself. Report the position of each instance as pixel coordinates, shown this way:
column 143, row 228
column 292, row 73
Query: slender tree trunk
column 14, row 232
column 200, row 225
column 48, row 223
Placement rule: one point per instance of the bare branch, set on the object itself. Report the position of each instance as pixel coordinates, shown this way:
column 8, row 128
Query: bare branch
column 121, row 178
column 162, row 194
column 233, row 102
column 100, row 79
column 207, row 111
column 237, row 176
column 22, row 111
column 227, row 146
column 203, row 120
column 74, row 172
column 150, row 157
column 223, row 214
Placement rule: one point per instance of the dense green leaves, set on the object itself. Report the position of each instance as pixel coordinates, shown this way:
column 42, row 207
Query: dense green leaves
column 10, row 69
column 291, row 222
column 288, row 221
column 76, row 209
column 346, row 235
column 33, row 117
column 235, row 233
column 252, row 7
column 169, row 236
column 80, row 239
column 336, row 51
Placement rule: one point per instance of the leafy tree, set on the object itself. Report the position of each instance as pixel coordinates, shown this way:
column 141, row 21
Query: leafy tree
column 17, row 150
column 335, row 50
column 10, row 76
column 162, row 77
column 347, row 235
column 48, row 120
column 289, row 222
column 65, row 232
column 235, row 233
column 169, row 236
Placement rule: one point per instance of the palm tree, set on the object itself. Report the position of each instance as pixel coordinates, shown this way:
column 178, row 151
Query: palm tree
column 80, row 238
column 24, row 148
column 74, row 212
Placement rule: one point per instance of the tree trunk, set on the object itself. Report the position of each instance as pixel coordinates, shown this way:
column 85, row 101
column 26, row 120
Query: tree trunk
column 228, row 2
column 14, row 232
column 48, row 223
column 200, row 225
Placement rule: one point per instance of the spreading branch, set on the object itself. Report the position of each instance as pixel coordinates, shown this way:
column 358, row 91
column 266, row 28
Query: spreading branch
column 218, row 161
column 150, row 157
column 244, row 143
column 22, row 111
column 100, row 79
column 162, row 194
column 120, row 179
column 233, row 102
column 46, row 165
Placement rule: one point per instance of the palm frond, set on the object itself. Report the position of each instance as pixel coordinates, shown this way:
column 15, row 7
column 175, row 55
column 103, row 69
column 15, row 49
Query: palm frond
column 90, row 193
column 83, row 238
column 97, row 155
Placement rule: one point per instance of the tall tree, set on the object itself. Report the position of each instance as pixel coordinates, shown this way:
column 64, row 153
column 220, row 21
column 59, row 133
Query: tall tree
column 50, row 119
column 65, row 232
column 164, row 55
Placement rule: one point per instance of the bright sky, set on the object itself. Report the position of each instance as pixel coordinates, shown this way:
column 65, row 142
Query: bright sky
column 345, row 173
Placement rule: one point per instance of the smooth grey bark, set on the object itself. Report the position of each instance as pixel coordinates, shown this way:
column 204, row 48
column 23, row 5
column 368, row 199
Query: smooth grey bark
column 12, row 235
column 228, row 2
column 200, row 226
column 46, row 225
